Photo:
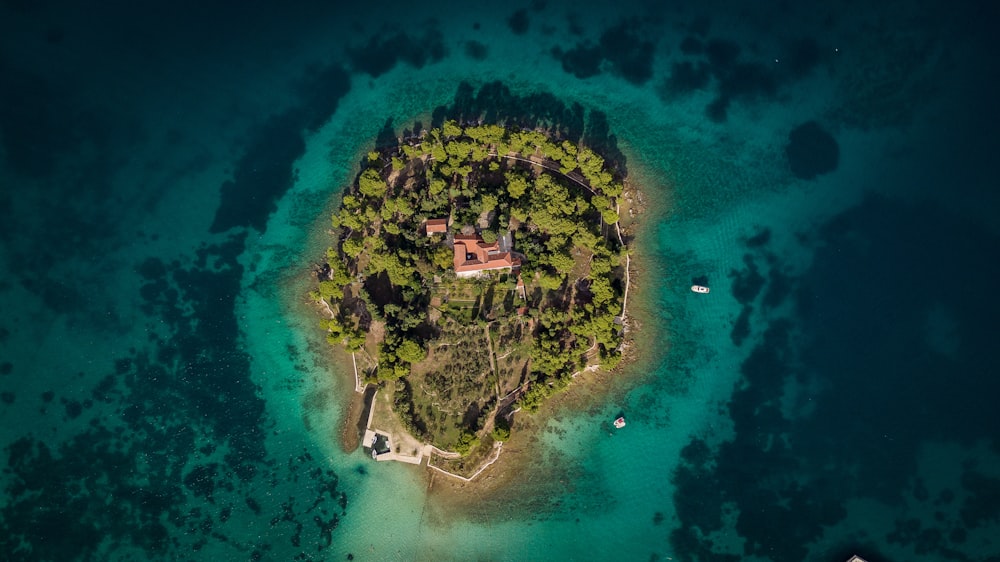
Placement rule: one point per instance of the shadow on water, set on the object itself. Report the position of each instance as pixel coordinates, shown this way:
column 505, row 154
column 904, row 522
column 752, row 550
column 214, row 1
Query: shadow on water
column 496, row 103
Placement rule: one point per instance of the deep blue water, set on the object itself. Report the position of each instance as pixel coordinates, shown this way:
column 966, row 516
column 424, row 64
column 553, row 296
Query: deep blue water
column 827, row 168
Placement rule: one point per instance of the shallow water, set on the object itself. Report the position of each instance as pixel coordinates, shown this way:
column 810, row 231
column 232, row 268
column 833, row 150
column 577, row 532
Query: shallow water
column 165, row 185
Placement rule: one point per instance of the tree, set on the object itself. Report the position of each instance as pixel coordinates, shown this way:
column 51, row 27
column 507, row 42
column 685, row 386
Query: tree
column 560, row 262
column 410, row 351
column 466, row 442
column 356, row 341
column 500, row 434
column 501, row 428
column 550, row 282
column 436, row 186
column 351, row 202
column 399, row 370
column 404, row 208
column 412, row 152
column 353, row 247
column 437, row 152
column 601, row 289
column 329, row 290
column 371, row 184
column 443, row 257
column 451, row 129
column 516, row 184
column 400, row 274
column 600, row 266
column 488, row 203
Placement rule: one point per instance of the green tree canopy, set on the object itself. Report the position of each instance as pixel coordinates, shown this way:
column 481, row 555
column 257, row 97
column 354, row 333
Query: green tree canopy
column 371, row 184
column 410, row 351
column 516, row 184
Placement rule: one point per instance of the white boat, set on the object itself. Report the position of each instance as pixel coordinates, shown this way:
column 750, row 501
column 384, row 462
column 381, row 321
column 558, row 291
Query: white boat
column 699, row 289
column 620, row 422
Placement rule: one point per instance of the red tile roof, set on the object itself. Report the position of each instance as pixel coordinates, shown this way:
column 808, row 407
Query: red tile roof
column 436, row 226
column 473, row 254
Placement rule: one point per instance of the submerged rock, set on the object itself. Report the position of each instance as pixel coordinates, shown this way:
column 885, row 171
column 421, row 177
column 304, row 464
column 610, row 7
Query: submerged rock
column 811, row 151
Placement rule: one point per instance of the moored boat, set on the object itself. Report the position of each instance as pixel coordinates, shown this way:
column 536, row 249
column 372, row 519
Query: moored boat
column 699, row 289
column 620, row 422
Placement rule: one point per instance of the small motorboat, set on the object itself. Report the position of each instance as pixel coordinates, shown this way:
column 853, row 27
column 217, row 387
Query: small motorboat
column 699, row 289
column 620, row 422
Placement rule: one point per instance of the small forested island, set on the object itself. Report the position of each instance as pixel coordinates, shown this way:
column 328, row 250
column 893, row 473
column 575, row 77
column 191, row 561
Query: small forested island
column 476, row 269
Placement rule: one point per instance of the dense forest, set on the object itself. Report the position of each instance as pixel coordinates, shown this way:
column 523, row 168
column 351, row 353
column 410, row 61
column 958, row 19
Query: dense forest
column 461, row 353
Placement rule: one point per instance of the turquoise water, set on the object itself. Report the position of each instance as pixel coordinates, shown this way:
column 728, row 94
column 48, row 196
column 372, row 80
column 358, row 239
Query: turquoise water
column 166, row 181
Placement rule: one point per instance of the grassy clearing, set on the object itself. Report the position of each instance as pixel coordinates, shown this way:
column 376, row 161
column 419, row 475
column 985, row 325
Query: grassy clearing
column 472, row 363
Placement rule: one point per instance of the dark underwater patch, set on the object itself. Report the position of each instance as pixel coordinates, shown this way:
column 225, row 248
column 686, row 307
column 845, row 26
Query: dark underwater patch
column 870, row 353
column 262, row 175
column 747, row 282
column 740, row 81
column 691, row 45
column 38, row 125
column 686, row 77
column 982, row 505
column 583, row 60
column 518, row 22
column 747, row 80
column 779, row 288
column 384, row 51
column 476, row 50
column 265, row 171
column 625, row 51
column 762, row 238
column 741, row 328
column 802, row 57
column 736, row 78
column 811, row 151
column 73, row 408
column 722, row 54
column 630, row 55
column 201, row 480
column 193, row 391
column 319, row 93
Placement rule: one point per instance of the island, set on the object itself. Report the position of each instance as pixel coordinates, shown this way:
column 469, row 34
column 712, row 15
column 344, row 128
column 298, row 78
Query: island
column 476, row 270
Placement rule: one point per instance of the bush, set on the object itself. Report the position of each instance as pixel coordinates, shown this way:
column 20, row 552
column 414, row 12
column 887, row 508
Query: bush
column 501, row 429
column 467, row 441
column 329, row 289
